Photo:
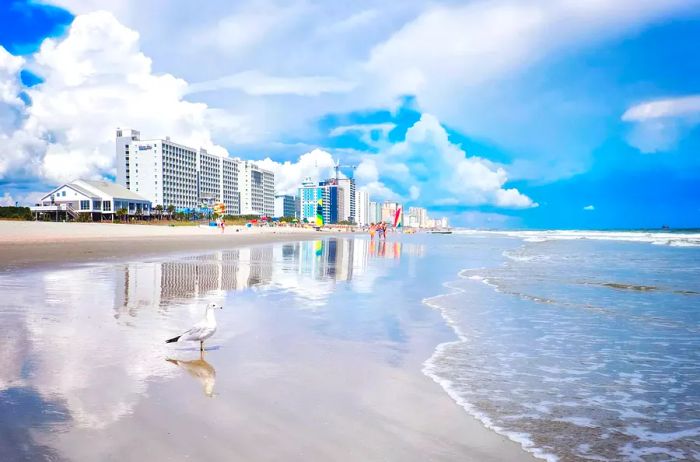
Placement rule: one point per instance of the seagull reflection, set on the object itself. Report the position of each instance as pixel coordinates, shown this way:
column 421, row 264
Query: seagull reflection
column 200, row 370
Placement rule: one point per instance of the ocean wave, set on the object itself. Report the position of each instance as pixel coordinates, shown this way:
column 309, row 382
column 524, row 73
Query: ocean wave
column 655, row 238
column 430, row 369
column 504, row 372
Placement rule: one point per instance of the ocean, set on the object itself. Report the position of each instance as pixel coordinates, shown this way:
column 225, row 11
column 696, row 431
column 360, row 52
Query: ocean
column 578, row 345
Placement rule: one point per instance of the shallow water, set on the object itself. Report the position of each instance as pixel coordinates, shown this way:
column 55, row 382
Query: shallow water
column 579, row 349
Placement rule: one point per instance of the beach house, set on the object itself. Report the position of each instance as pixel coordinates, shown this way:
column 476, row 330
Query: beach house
column 99, row 199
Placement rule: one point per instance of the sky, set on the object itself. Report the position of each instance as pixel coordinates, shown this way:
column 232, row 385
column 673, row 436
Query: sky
column 498, row 114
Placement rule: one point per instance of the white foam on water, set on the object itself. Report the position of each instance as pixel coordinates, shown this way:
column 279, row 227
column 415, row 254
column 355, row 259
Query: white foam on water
column 656, row 437
column 522, row 411
column 429, row 369
column 653, row 237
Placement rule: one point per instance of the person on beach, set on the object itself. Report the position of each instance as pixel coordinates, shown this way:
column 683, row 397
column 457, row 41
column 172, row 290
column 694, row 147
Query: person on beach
column 222, row 225
column 372, row 230
column 381, row 230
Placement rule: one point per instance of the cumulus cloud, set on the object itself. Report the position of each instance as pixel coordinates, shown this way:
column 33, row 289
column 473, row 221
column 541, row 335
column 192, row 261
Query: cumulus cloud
column 95, row 80
column 428, row 168
column 658, row 124
column 316, row 165
column 425, row 168
column 589, row 208
column 22, row 199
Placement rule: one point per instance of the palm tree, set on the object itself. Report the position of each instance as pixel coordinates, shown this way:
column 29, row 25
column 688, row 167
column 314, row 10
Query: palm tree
column 171, row 210
column 159, row 211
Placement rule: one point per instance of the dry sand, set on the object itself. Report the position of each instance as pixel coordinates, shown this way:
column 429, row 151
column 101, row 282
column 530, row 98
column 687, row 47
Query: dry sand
column 28, row 243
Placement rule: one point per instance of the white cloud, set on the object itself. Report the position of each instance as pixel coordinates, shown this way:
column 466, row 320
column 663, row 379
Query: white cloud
column 659, row 124
column 23, row 199
column 257, row 83
column 9, row 77
column 426, row 167
column 449, row 47
column 341, row 58
column 686, row 106
column 95, row 80
column 337, row 57
column 589, row 208
column 316, row 165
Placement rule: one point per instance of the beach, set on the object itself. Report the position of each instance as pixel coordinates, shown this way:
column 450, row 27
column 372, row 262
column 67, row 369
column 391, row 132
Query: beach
column 24, row 243
column 318, row 355
column 482, row 346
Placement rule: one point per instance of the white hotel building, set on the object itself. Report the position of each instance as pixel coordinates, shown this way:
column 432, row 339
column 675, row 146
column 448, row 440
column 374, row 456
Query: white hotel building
column 257, row 187
column 169, row 173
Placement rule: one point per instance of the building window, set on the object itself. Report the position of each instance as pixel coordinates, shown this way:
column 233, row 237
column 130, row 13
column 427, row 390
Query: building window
column 107, row 206
column 96, row 205
column 84, row 205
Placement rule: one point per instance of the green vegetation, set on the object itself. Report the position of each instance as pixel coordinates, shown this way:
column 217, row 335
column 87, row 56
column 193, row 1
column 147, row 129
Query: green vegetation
column 15, row 213
column 84, row 217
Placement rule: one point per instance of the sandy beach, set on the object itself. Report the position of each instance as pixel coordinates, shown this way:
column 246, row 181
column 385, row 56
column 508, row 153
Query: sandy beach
column 275, row 385
column 24, row 243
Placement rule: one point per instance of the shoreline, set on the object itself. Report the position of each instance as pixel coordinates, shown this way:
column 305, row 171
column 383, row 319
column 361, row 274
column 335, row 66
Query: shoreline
column 448, row 431
column 31, row 244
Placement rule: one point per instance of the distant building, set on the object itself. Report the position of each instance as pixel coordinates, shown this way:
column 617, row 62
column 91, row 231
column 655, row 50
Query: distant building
column 332, row 197
column 334, row 202
column 100, row 199
column 285, row 206
column 309, row 195
column 348, row 199
column 417, row 217
column 257, row 190
column 389, row 212
column 362, row 208
column 374, row 212
column 168, row 173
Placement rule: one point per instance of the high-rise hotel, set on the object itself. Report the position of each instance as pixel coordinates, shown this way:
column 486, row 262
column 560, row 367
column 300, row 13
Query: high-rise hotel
column 169, row 173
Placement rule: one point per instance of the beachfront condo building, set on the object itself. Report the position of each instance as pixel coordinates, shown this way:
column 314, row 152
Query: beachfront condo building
column 362, row 208
column 331, row 196
column 348, row 198
column 257, row 188
column 286, row 206
column 168, row 173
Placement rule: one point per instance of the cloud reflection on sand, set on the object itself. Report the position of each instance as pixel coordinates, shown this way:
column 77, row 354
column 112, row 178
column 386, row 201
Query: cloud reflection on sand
column 92, row 336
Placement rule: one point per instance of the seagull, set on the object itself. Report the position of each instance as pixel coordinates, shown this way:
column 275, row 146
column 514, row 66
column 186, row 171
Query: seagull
column 200, row 331
column 201, row 370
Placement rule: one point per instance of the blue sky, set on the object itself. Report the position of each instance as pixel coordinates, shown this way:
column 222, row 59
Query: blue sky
column 498, row 114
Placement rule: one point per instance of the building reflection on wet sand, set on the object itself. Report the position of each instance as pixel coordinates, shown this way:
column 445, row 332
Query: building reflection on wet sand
column 210, row 276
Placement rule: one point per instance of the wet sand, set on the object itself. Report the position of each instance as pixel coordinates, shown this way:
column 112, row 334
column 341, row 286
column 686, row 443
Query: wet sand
column 314, row 358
